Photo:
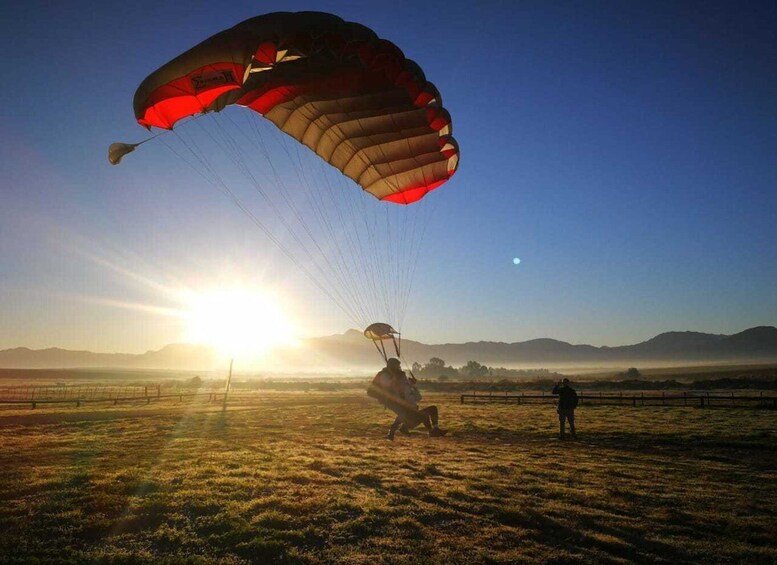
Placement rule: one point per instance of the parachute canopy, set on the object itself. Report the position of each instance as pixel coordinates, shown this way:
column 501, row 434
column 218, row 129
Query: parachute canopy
column 335, row 86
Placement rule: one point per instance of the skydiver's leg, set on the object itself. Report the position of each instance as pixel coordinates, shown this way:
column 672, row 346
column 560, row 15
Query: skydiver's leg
column 398, row 421
column 571, row 418
column 433, row 414
column 425, row 420
column 561, row 418
column 429, row 411
column 431, row 420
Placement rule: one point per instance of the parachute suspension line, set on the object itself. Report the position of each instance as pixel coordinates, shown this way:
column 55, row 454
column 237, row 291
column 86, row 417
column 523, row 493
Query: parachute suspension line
column 381, row 349
column 352, row 267
column 283, row 191
column 364, row 259
column 363, row 271
column 400, row 251
column 400, row 259
column 322, row 211
column 365, row 240
column 370, row 223
column 374, row 252
column 238, row 159
column 407, row 247
column 396, row 340
column 339, row 269
column 407, row 242
column 369, row 263
column 387, row 273
column 431, row 214
column 390, row 265
column 117, row 151
column 221, row 185
column 326, row 219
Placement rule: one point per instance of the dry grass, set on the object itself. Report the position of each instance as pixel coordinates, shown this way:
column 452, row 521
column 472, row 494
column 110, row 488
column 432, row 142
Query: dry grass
column 308, row 478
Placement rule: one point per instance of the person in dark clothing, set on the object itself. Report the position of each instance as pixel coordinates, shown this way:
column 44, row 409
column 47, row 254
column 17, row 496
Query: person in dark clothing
column 567, row 402
column 392, row 387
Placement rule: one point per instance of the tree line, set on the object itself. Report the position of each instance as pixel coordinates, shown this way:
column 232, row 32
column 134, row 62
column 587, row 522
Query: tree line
column 437, row 369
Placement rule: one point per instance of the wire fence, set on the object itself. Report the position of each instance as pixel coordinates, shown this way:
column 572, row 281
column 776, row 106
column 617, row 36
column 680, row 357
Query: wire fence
column 90, row 393
column 653, row 398
column 77, row 395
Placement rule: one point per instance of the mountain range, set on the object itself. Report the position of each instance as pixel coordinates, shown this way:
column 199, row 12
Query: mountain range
column 351, row 351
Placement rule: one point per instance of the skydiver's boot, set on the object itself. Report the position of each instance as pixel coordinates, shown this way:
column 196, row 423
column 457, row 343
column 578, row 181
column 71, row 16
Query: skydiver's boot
column 393, row 429
column 437, row 432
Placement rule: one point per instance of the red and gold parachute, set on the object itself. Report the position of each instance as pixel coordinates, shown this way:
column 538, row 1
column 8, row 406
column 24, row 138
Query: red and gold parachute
column 351, row 97
column 335, row 86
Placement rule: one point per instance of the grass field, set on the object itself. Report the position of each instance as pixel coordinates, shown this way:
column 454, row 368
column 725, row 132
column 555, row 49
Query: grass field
column 308, row 478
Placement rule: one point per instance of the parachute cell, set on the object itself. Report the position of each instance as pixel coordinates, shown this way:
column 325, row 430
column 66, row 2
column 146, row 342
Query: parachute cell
column 334, row 86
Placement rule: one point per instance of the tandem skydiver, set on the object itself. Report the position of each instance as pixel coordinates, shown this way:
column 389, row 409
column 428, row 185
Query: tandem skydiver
column 397, row 392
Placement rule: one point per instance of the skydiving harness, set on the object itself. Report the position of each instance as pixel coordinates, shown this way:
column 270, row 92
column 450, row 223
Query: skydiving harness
column 379, row 333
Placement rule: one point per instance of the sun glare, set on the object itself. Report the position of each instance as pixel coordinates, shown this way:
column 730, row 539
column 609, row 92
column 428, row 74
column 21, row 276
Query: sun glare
column 237, row 322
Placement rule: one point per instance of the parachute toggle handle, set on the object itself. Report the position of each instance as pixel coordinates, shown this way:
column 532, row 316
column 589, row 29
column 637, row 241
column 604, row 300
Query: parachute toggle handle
column 381, row 332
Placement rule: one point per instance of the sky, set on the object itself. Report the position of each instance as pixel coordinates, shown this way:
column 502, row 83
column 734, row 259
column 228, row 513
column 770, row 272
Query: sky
column 625, row 152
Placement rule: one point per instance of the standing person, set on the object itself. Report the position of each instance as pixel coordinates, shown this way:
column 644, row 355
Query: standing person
column 392, row 388
column 567, row 402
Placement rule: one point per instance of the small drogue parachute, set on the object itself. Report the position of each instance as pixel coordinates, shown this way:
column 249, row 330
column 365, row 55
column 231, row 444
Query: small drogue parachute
column 350, row 97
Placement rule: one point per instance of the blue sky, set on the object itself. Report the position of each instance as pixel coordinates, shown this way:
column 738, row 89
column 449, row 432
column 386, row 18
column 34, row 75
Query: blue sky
column 624, row 151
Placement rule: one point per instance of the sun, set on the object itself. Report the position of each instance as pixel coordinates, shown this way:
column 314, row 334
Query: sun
column 237, row 322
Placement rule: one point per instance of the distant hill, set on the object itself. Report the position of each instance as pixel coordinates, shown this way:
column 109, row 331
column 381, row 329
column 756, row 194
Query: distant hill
column 755, row 344
column 180, row 356
column 351, row 350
